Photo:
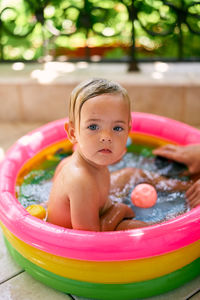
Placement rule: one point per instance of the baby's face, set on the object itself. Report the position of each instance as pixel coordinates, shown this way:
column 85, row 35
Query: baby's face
column 104, row 127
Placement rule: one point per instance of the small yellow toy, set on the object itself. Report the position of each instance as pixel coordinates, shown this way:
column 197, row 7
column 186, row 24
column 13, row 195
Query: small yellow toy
column 37, row 211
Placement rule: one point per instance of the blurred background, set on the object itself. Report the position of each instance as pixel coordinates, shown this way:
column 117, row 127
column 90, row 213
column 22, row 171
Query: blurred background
column 100, row 30
column 151, row 47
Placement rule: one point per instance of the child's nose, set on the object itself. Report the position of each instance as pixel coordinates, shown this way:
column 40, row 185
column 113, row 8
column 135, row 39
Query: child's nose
column 105, row 137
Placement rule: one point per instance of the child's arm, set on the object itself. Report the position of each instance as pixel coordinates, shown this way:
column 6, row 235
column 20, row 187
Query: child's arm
column 58, row 204
column 58, row 211
column 84, row 204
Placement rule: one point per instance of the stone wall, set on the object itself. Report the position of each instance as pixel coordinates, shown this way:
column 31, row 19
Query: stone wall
column 39, row 94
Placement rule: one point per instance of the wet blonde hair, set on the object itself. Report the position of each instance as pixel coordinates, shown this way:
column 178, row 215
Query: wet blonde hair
column 89, row 89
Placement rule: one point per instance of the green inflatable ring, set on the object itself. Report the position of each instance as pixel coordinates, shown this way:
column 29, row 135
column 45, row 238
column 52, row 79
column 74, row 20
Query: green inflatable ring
column 128, row 291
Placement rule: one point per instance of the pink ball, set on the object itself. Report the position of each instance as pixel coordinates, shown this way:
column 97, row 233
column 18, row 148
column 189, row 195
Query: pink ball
column 144, row 195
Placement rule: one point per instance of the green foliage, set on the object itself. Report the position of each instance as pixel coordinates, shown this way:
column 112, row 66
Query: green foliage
column 30, row 28
column 115, row 53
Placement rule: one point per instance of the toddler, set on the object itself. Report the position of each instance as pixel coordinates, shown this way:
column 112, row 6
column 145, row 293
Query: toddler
column 99, row 123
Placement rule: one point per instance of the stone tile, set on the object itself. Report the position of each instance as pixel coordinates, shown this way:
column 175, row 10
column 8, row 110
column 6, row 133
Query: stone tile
column 24, row 287
column 8, row 267
column 192, row 105
column 161, row 100
column 195, row 78
column 10, row 102
column 45, row 103
column 170, row 67
column 195, row 297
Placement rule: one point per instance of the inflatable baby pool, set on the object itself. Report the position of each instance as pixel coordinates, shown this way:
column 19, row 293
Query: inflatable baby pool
column 102, row 265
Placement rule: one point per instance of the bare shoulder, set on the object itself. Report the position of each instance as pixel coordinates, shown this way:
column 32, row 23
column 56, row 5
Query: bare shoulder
column 61, row 165
column 79, row 178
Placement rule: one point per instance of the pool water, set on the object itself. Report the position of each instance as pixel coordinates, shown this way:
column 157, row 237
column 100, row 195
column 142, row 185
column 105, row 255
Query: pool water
column 36, row 185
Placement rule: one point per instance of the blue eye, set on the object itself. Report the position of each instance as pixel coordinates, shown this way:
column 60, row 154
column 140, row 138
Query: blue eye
column 118, row 128
column 93, row 127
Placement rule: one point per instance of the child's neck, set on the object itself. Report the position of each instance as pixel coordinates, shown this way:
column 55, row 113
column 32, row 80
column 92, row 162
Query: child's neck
column 81, row 159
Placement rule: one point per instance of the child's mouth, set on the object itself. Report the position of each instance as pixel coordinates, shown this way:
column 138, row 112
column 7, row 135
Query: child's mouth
column 106, row 151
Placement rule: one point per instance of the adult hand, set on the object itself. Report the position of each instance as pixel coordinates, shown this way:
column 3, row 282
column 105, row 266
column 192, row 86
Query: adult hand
column 188, row 155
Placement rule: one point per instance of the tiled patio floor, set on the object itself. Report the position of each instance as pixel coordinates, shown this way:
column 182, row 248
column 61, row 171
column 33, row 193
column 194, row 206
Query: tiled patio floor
column 16, row 284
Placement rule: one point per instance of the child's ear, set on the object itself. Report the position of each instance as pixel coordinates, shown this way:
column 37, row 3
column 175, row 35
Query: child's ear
column 70, row 129
column 130, row 125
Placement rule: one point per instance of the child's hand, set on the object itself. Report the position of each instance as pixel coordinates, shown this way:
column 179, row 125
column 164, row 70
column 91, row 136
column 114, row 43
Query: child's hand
column 193, row 194
column 131, row 224
column 114, row 215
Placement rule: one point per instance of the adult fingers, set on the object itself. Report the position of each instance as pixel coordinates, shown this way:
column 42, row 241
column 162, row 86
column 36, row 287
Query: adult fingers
column 195, row 202
column 193, row 196
column 194, row 187
column 167, row 148
column 171, row 152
